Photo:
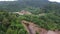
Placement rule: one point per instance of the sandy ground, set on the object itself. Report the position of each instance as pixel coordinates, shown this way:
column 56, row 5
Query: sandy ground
column 51, row 32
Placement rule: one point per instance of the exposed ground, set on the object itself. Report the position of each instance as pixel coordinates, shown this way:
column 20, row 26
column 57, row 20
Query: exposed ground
column 33, row 29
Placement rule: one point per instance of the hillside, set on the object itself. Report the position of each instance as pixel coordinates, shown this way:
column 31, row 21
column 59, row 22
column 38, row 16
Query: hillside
column 22, row 4
column 30, row 17
column 30, row 5
column 11, row 23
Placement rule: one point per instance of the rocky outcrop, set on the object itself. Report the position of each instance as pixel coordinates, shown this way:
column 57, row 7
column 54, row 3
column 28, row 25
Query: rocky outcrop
column 23, row 12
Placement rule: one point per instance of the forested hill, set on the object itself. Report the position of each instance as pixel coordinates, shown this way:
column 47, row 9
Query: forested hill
column 21, row 4
column 43, row 13
column 36, row 3
column 30, row 2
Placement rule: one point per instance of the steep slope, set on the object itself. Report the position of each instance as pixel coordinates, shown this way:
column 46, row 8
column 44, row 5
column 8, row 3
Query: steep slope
column 34, row 29
column 36, row 3
column 20, row 4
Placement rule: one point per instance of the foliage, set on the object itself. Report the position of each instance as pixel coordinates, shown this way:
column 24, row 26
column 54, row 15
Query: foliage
column 47, row 17
column 10, row 24
column 49, row 21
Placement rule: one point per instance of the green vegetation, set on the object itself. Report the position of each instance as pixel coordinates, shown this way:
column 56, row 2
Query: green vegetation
column 47, row 17
column 49, row 21
column 10, row 24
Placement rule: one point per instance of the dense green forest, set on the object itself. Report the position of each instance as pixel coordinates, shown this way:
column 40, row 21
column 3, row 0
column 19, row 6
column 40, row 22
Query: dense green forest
column 47, row 17
column 10, row 23
column 23, row 4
